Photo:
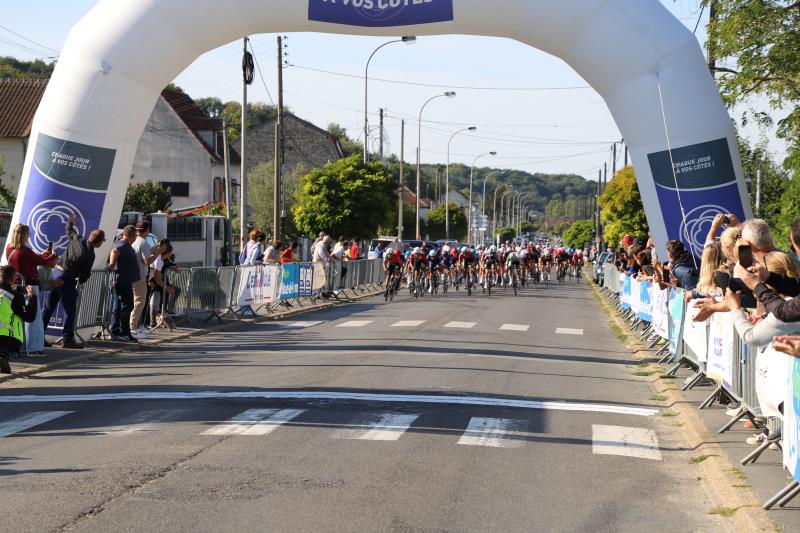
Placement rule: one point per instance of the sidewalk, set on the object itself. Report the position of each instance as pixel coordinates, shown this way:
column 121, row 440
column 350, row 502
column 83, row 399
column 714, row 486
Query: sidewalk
column 97, row 349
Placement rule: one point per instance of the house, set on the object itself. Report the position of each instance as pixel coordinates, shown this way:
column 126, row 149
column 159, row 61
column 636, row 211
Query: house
column 306, row 146
column 19, row 100
column 180, row 148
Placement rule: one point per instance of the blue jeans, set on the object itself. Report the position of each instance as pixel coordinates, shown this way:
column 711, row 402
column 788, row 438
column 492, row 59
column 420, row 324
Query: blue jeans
column 121, row 308
column 67, row 294
column 34, row 331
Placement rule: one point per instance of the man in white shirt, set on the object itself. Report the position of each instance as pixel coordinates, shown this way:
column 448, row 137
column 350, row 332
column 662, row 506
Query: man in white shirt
column 145, row 256
column 321, row 253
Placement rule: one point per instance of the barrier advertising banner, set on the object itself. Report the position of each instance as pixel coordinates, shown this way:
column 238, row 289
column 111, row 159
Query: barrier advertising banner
column 644, row 308
column 791, row 418
column 635, row 301
column 290, row 282
column 626, row 292
column 695, row 335
column 306, row 281
column 660, row 312
column 259, row 286
column 773, row 375
column 721, row 336
column 320, row 280
column 676, row 309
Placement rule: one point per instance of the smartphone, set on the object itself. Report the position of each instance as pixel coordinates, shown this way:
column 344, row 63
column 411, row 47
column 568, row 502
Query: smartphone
column 746, row 255
column 648, row 270
column 50, row 247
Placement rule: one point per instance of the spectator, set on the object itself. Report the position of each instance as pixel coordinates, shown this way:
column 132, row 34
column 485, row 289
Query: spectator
column 160, row 288
column 272, row 255
column 682, row 265
column 768, row 288
column 762, row 332
column 710, row 265
column 17, row 307
column 246, row 248
column 355, row 250
column 338, row 250
column 757, row 234
column 255, row 254
column 145, row 256
column 74, row 268
column 25, row 261
column 318, row 240
column 321, row 252
column 125, row 272
column 291, row 253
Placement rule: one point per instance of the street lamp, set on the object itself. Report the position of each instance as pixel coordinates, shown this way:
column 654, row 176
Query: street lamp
column 447, row 183
column 448, row 94
column 408, row 39
column 494, row 209
column 471, row 176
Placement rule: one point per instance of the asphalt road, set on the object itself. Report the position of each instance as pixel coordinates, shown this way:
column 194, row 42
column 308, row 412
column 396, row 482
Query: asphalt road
column 440, row 414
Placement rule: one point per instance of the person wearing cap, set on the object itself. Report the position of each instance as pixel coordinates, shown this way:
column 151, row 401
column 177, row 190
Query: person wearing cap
column 74, row 268
column 145, row 257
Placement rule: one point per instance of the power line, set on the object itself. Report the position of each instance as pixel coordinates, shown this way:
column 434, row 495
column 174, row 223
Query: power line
column 40, row 45
column 439, row 86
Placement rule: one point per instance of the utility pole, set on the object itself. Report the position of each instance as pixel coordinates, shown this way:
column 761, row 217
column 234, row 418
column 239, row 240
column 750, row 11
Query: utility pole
column 614, row 162
column 277, row 211
column 605, row 177
column 381, row 142
column 599, row 192
column 626, row 152
column 402, row 180
column 758, row 192
column 228, row 200
column 247, row 79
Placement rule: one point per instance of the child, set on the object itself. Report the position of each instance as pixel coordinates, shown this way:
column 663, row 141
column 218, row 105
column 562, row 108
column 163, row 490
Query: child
column 16, row 306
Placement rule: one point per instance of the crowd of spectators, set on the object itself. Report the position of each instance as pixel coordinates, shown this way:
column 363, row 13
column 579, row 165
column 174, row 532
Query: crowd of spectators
column 256, row 251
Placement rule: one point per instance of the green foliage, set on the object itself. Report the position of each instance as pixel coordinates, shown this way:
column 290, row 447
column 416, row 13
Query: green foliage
column 147, row 197
column 759, row 43
column 579, row 233
column 349, row 146
column 789, row 212
column 25, row 70
column 260, row 196
column 7, row 196
column 773, row 180
column 529, row 227
column 436, row 223
column 621, row 206
column 257, row 113
column 505, row 234
column 409, row 223
column 559, row 229
column 345, row 197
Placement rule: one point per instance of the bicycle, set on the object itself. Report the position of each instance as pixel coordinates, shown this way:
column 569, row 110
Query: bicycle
column 514, row 274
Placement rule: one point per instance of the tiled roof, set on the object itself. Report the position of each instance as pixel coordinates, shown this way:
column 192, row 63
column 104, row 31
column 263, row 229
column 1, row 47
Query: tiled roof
column 19, row 100
column 410, row 199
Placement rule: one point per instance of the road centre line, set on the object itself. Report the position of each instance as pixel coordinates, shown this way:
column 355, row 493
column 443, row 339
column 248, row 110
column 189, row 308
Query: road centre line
column 336, row 396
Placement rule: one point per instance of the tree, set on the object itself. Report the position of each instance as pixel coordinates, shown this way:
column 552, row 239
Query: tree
column 773, row 180
column 147, row 198
column 761, row 45
column 529, row 227
column 789, row 212
column 505, row 234
column 560, row 228
column 579, row 233
column 14, row 68
column 345, row 197
column 437, row 229
column 260, row 196
column 621, row 206
column 349, row 146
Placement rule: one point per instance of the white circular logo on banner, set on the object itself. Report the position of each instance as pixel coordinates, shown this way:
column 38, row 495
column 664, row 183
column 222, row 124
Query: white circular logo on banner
column 48, row 222
column 694, row 229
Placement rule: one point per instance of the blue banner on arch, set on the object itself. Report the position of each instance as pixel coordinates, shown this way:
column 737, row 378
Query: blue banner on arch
column 380, row 13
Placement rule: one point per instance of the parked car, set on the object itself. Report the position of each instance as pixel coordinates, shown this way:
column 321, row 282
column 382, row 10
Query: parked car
column 599, row 266
column 386, row 241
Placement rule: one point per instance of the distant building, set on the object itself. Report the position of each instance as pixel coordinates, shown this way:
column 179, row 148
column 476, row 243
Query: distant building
column 19, row 100
column 307, row 145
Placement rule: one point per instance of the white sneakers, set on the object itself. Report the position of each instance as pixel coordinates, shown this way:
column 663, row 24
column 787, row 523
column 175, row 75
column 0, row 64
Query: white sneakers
column 140, row 334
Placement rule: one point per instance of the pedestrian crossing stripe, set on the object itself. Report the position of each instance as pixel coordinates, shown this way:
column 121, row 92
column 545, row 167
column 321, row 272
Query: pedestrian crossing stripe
column 24, row 422
column 377, row 426
column 408, row 324
column 569, row 331
column 255, row 422
column 628, row 442
column 303, row 325
column 355, row 324
column 514, row 327
column 494, row 433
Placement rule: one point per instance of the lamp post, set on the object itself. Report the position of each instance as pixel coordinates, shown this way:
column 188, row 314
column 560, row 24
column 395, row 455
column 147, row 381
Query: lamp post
column 471, row 176
column 448, row 94
column 408, row 39
column 494, row 209
column 447, row 183
column 503, row 209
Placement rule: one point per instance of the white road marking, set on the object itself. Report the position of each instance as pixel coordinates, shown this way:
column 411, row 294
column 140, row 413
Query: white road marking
column 145, row 422
column 408, row 324
column 494, row 432
column 460, row 325
column 255, row 422
column 629, row 442
column 21, row 423
column 335, row 396
column 355, row 324
column 303, row 325
column 569, row 331
column 514, row 327
column 383, row 426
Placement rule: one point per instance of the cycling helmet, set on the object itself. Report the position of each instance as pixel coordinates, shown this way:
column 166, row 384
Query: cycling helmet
column 446, row 249
column 432, row 253
column 492, row 249
column 397, row 252
column 463, row 249
column 417, row 250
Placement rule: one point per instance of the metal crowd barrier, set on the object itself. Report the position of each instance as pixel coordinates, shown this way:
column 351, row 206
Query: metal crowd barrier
column 739, row 365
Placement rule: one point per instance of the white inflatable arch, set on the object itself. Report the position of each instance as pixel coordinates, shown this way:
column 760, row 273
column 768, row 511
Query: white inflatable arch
column 647, row 66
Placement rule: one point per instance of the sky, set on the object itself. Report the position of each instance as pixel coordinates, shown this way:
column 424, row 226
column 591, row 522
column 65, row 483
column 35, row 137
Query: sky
column 557, row 124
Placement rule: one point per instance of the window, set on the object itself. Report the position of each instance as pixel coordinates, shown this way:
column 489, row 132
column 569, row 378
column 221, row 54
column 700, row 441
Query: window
column 180, row 189
column 185, row 229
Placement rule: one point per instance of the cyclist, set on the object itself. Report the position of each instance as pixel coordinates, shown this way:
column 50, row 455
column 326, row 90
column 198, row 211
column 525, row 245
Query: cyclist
column 434, row 268
column 393, row 266
column 489, row 265
column 417, row 265
column 513, row 266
